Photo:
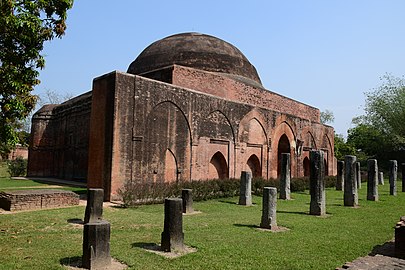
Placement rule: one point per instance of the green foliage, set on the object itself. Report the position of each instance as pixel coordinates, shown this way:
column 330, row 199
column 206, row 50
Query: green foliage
column 327, row 117
column 148, row 193
column 385, row 109
column 24, row 27
column 343, row 148
column 17, row 167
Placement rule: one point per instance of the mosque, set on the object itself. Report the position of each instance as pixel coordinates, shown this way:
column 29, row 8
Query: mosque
column 190, row 107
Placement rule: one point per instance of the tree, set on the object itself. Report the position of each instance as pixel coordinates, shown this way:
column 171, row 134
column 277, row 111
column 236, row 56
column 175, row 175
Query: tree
column 24, row 27
column 343, row 148
column 327, row 117
column 385, row 109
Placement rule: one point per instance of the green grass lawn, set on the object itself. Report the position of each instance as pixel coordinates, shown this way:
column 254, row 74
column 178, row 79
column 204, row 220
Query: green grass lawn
column 7, row 184
column 224, row 233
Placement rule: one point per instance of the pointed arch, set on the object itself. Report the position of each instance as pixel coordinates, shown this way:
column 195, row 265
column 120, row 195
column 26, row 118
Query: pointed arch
column 283, row 141
column 218, row 167
column 252, row 122
column 167, row 141
column 216, row 125
column 254, row 166
column 170, row 167
column 283, row 147
column 309, row 141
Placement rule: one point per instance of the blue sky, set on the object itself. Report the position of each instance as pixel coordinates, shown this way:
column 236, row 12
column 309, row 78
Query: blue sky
column 325, row 53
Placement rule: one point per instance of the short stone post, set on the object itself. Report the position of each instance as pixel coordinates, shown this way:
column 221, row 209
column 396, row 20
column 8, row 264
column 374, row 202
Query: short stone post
column 269, row 208
column 172, row 235
column 96, row 245
column 285, row 178
column 94, row 206
column 350, row 195
column 372, row 175
column 393, row 177
column 358, row 175
column 403, row 176
column 245, row 192
column 400, row 238
column 317, row 183
column 381, row 178
column 187, row 197
column 340, row 176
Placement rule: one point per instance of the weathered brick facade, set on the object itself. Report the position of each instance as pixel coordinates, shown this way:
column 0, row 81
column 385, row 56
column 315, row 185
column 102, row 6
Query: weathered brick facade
column 181, row 116
column 37, row 199
column 60, row 139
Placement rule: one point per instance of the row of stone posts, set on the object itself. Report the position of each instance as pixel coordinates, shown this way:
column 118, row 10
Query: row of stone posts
column 96, row 232
column 348, row 172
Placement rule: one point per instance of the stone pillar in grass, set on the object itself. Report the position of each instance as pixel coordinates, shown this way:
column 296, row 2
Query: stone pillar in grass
column 403, row 176
column 340, row 176
column 245, row 192
column 187, row 197
column 372, row 180
column 172, row 235
column 94, row 206
column 400, row 238
column 317, row 183
column 358, row 175
column 269, row 208
column 350, row 195
column 381, row 178
column 285, row 178
column 96, row 245
column 393, row 177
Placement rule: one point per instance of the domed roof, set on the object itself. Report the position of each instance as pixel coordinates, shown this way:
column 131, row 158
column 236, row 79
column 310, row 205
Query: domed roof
column 195, row 50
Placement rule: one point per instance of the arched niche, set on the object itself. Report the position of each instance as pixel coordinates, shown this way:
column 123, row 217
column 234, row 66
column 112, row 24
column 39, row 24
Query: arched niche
column 170, row 167
column 218, row 168
column 254, row 166
column 283, row 141
column 167, row 128
column 283, row 147
column 253, row 143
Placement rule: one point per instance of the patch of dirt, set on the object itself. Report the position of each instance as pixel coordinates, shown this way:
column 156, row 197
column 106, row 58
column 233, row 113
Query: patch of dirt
column 192, row 213
column 170, row 255
column 275, row 230
column 115, row 265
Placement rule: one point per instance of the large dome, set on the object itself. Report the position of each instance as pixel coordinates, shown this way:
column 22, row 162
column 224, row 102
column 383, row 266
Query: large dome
column 197, row 51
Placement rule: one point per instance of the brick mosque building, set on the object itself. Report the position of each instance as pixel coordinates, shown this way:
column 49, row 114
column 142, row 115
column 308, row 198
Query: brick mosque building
column 190, row 107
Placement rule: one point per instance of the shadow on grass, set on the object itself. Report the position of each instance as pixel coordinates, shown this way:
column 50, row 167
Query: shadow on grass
column 144, row 245
column 292, row 212
column 75, row 221
column 75, row 261
column 228, row 202
column 246, row 226
column 386, row 249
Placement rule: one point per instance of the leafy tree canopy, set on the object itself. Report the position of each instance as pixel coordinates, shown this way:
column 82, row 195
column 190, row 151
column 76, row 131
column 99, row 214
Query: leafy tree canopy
column 342, row 148
column 385, row 109
column 24, row 27
column 327, row 117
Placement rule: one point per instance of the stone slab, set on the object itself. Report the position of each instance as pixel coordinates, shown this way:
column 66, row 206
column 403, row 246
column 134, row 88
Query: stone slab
column 37, row 199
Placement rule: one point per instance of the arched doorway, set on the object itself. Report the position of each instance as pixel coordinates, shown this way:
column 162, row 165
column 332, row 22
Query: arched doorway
column 218, row 168
column 170, row 167
column 306, row 166
column 325, row 163
column 283, row 147
column 254, row 166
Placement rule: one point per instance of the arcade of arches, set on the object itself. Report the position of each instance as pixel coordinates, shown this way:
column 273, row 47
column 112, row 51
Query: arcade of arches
column 190, row 107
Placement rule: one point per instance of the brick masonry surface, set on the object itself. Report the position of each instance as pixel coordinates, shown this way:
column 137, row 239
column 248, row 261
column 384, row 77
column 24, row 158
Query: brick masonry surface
column 37, row 199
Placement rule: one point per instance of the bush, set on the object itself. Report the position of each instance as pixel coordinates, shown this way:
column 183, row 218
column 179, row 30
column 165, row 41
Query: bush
column 17, row 167
column 136, row 193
